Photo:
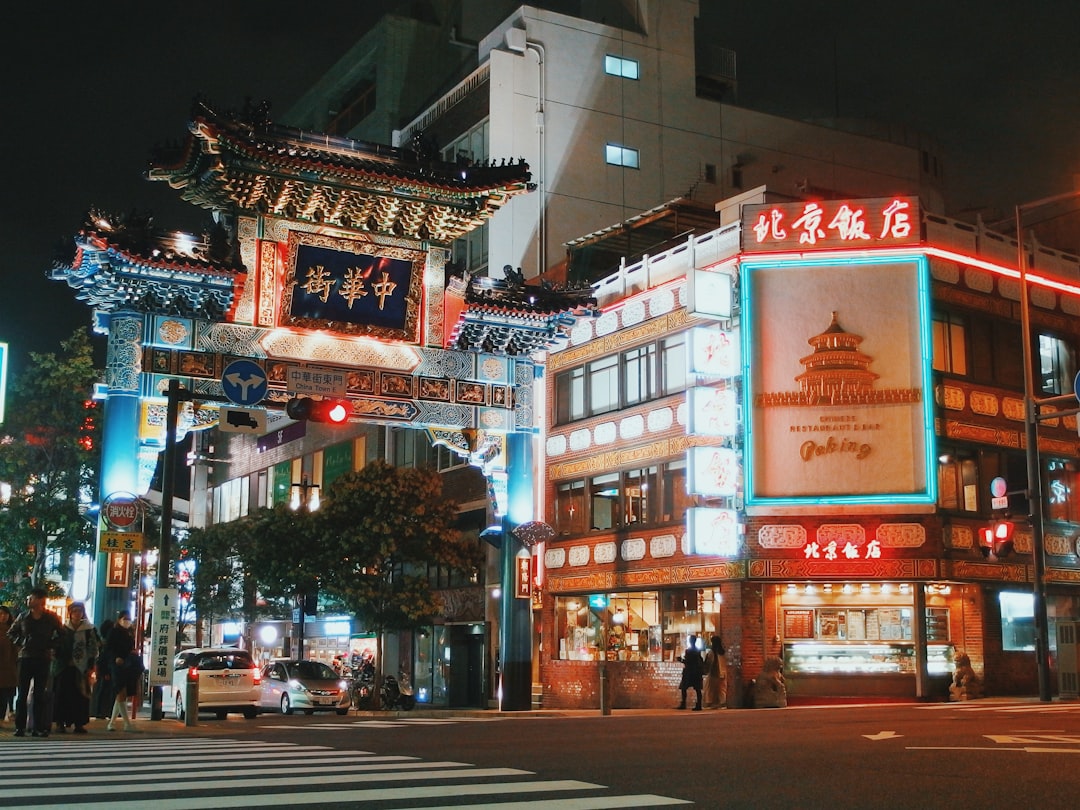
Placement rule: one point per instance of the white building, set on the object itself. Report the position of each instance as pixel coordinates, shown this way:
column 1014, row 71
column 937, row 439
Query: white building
column 614, row 118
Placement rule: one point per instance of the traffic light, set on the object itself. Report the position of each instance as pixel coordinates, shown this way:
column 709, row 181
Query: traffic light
column 334, row 411
column 996, row 539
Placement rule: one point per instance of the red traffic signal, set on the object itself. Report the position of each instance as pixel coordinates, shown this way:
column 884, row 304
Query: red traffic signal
column 334, row 411
column 996, row 538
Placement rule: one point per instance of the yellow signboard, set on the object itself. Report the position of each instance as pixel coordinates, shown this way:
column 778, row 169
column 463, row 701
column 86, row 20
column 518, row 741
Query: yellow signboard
column 124, row 542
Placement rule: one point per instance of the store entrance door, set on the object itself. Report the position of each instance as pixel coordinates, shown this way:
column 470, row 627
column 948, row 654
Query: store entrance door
column 467, row 666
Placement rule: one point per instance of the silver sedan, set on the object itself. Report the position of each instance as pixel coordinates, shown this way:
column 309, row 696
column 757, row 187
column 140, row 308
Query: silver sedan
column 307, row 686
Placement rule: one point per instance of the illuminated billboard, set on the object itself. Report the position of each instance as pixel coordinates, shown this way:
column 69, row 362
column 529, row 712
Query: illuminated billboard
column 837, row 362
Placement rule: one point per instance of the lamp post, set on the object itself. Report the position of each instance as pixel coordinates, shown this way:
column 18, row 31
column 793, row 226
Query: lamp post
column 305, row 498
column 1032, row 417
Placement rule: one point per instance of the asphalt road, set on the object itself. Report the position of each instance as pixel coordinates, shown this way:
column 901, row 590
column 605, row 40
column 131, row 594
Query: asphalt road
column 990, row 753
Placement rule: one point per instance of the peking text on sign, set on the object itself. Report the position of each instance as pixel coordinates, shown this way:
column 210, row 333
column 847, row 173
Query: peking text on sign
column 879, row 222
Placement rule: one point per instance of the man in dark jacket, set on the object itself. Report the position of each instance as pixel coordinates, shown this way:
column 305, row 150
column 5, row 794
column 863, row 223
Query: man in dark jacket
column 692, row 673
column 37, row 634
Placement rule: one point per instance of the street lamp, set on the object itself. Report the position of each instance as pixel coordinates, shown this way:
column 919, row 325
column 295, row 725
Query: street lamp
column 304, row 497
column 1032, row 417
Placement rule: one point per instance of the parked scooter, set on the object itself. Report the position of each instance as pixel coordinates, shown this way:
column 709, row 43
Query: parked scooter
column 397, row 694
column 363, row 688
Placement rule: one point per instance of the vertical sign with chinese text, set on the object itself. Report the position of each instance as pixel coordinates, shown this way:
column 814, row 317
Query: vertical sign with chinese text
column 163, row 636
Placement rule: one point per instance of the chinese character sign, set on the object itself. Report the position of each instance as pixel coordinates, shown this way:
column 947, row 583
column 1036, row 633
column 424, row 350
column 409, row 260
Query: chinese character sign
column 163, row 636
column 354, row 287
column 713, row 472
column 714, row 352
column 713, row 531
column 836, row 401
column 831, row 223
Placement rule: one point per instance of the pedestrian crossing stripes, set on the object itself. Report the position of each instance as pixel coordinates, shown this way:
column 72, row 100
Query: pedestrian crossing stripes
column 397, row 722
column 1020, row 707
column 184, row 772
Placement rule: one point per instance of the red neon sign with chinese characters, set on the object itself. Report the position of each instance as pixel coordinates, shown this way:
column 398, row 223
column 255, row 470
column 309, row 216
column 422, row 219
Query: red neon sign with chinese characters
column 831, row 223
column 835, row 550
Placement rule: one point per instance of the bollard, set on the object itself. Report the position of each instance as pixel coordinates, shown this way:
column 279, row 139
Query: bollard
column 605, row 692
column 191, row 698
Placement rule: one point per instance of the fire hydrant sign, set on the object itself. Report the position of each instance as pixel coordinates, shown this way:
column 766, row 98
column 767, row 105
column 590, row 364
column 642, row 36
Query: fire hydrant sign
column 163, row 636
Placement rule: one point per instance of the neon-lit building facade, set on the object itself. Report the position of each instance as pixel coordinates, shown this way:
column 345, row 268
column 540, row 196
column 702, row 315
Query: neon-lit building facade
column 801, row 459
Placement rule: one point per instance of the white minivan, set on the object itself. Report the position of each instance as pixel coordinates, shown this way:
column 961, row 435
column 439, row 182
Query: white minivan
column 229, row 681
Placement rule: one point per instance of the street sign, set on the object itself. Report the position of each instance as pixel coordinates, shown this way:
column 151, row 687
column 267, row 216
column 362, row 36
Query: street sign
column 120, row 510
column 998, row 489
column 124, row 542
column 241, row 420
column 244, row 382
column 326, row 382
column 999, row 503
column 163, row 636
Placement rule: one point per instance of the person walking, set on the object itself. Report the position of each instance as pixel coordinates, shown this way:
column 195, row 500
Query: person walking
column 691, row 673
column 102, row 697
column 715, row 675
column 120, row 653
column 36, row 633
column 9, row 678
column 75, row 660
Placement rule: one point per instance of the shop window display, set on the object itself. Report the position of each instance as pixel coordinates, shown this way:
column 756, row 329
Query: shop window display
column 635, row 626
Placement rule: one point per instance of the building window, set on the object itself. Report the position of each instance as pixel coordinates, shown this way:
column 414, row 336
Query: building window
column 674, row 364
column 604, row 501
column 570, row 396
column 639, row 374
column 643, row 496
column 673, row 486
column 355, row 106
column 958, row 481
column 633, row 377
column 471, row 251
column 950, row 343
column 624, row 68
column 1056, row 366
column 570, row 511
column 1017, row 621
column 635, row 625
column 603, row 388
column 1062, row 498
column 640, row 490
column 618, row 155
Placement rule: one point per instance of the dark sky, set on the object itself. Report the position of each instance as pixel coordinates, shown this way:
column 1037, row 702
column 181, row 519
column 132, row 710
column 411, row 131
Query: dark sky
column 90, row 89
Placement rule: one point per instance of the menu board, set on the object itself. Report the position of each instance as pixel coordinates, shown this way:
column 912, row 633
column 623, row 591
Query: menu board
column 798, row 623
column 856, row 625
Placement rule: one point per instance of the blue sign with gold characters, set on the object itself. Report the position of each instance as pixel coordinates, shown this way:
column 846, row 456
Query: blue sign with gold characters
column 352, row 286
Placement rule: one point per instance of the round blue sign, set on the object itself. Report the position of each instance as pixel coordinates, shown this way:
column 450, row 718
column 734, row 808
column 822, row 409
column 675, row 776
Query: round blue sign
column 244, row 382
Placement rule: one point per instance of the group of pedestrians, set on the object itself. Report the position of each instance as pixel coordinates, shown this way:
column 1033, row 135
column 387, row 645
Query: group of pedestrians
column 707, row 675
column 51, row 669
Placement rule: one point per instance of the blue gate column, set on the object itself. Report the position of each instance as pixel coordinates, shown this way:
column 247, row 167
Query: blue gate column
column 515, row 613
column 119, row 443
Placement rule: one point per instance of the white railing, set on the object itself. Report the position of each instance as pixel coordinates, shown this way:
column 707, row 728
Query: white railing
column 652, row 271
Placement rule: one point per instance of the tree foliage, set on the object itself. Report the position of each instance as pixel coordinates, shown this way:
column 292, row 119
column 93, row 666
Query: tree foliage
column 379, row 530
column 49, row 457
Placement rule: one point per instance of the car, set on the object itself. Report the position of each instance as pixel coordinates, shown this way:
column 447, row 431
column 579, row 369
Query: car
column 307, row 686
column 229, row 681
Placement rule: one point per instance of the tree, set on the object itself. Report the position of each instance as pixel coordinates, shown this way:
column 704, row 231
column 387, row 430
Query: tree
column 208, row 559
column 379, row 531
column 49, row 457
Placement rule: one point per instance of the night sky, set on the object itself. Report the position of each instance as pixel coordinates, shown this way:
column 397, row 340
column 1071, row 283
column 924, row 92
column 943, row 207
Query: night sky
column 90, row 89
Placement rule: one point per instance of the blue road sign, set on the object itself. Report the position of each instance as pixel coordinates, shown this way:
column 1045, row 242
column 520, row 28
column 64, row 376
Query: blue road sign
column 244, row 382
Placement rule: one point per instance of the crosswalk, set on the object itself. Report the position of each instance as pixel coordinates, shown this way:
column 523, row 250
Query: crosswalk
column 1005, row 707
column 182, row 773
column 367, row 724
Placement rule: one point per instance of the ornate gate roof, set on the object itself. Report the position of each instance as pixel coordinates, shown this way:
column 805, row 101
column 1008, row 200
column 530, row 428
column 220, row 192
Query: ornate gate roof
column 245, row 162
